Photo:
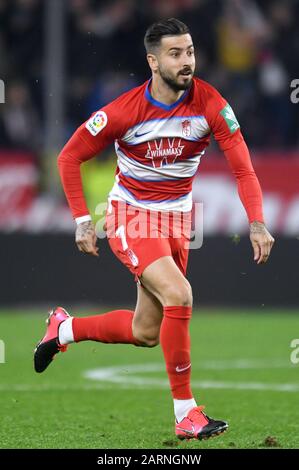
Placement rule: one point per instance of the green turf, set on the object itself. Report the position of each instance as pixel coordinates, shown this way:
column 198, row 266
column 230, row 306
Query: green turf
column 62, row 409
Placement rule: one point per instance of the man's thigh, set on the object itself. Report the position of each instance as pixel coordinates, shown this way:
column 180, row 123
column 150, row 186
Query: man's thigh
column 162, row 277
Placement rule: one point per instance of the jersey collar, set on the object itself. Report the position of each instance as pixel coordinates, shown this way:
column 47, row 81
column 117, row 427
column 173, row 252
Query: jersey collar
column 166, row 107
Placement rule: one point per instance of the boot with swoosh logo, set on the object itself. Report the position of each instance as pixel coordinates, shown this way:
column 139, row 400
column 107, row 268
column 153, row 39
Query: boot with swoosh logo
column 49, row 346
column 197, row 425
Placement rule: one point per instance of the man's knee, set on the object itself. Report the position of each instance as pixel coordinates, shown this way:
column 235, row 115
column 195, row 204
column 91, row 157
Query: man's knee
column 177, row 295
column 147, row 341
column 146, row 338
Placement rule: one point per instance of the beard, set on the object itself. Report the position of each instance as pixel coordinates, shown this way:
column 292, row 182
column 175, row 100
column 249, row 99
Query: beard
column 173, row 82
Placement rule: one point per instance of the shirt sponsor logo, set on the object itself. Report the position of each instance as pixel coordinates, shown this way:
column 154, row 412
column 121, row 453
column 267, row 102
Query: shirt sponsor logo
column 164, row 151
column 96, row 123
column 230, row 118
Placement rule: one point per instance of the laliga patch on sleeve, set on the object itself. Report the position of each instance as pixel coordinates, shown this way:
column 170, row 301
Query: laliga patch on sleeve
column 230, row 118
column 96, row 123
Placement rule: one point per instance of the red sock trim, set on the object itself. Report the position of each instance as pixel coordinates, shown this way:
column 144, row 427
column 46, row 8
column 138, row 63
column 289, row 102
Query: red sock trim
column 180, row 312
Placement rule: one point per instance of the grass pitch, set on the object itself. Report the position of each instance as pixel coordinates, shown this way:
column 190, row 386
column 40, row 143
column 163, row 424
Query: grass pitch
column 241, row 370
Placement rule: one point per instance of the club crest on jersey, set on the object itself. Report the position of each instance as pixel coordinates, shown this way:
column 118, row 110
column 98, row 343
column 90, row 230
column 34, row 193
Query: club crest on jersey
column 96, row 123
column 186, row 127
column 164, row 151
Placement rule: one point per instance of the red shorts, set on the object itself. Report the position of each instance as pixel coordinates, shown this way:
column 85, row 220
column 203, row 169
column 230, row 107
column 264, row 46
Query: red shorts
column 138, row 237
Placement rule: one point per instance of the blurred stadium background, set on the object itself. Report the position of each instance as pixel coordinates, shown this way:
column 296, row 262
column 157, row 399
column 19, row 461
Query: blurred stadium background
column 60, row 60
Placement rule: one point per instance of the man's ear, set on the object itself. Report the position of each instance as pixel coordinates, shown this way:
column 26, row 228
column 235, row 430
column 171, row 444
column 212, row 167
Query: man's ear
column 152, row 62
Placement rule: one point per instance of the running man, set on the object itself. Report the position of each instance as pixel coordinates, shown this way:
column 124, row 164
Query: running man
column 161, row 130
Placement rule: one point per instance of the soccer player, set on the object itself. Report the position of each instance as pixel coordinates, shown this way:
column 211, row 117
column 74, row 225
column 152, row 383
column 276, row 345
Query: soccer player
column 160, row 130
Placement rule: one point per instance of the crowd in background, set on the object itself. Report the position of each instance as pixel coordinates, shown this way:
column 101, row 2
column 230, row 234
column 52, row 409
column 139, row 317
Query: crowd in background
column 248, row 49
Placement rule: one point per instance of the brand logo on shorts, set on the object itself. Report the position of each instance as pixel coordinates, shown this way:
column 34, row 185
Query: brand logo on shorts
column 133, row 257
column 96, row 123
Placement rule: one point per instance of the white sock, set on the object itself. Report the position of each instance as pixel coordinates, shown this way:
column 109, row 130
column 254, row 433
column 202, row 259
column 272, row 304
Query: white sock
column 65, row 332
column 182, row 408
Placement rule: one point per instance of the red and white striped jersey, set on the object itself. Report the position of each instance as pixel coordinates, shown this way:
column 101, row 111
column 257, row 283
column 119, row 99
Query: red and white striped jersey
column 158, row 146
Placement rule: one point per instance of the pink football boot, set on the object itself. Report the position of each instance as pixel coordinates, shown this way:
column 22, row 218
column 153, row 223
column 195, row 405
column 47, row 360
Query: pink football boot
column 49, row 346
column 197, row 425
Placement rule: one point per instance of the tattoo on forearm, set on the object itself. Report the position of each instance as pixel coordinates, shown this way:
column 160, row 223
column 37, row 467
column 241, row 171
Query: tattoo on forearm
column 86, row 228
column 257, row 227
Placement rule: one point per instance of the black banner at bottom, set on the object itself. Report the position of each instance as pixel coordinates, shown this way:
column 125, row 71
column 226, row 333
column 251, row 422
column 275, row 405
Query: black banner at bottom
column 136, row 458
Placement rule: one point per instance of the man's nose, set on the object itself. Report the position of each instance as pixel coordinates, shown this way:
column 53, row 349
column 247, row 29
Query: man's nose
column 188, row 61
